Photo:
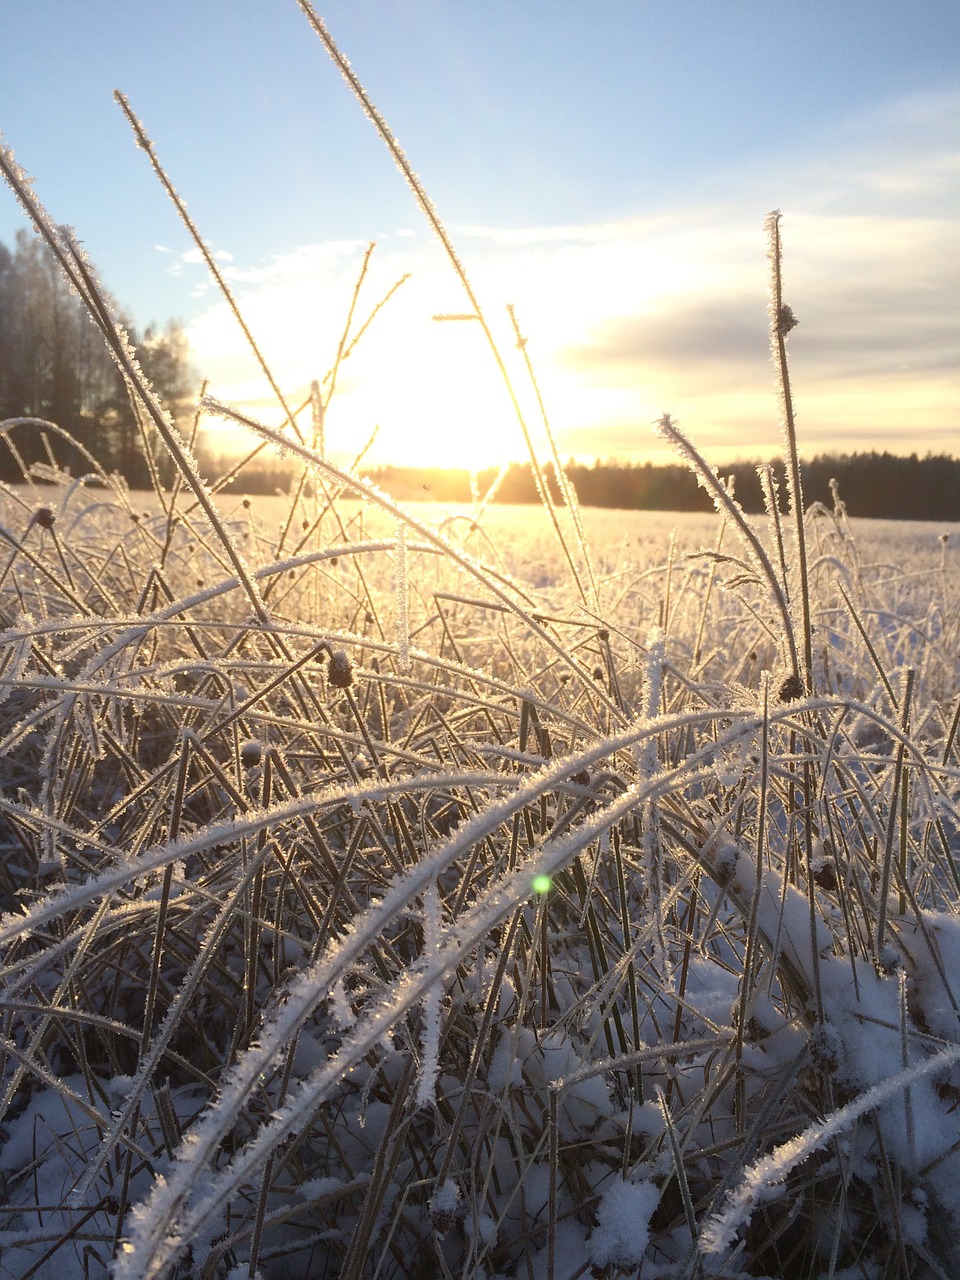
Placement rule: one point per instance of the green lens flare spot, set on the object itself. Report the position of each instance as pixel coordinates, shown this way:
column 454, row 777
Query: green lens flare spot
column 542, row 884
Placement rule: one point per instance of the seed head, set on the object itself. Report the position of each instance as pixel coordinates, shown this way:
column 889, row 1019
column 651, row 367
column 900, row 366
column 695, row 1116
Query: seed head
column 725, row 863
column 825, row 873
column 791, row 689
column 786, row 320
column 340, row 670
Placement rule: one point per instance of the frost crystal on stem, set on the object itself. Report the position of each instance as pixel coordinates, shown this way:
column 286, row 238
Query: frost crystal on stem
column 401, row 593
column 430, row 1045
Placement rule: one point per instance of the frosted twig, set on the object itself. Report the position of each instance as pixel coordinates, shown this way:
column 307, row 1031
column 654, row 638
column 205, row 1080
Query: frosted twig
column 723, row 500
column 401, row 587
column 430, row 1052
column 782, row 320
column 761, row 1178
column 146, row 145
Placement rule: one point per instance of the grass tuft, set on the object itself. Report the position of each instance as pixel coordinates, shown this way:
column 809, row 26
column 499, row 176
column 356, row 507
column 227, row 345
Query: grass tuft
column 376, row 907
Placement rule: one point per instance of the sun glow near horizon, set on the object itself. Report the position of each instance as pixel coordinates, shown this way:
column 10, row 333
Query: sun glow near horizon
column 623, row 323
column 422, row 377
column 447, row 423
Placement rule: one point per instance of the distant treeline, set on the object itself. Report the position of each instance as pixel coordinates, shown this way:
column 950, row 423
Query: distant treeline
column 869, row 484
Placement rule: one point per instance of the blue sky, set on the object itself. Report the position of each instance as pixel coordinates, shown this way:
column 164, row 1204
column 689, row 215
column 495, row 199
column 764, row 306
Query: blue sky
column 606, row 168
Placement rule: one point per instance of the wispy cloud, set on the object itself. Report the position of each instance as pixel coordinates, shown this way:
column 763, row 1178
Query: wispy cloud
column 630, row 318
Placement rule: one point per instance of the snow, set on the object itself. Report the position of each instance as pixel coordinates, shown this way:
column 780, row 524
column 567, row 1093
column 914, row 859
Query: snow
column 623, row 1223
column 445, row 1207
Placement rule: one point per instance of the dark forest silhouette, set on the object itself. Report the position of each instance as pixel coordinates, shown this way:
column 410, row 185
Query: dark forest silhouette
column 868, row 484
column 880, row 485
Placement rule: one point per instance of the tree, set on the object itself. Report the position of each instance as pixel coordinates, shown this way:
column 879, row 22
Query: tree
column 164, row 356
column 54, row 365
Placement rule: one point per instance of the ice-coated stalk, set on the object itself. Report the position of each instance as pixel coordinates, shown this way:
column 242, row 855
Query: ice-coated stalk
column 782, row 320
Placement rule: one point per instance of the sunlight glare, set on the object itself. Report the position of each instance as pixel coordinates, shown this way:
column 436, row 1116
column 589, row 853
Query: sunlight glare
column 450, row 407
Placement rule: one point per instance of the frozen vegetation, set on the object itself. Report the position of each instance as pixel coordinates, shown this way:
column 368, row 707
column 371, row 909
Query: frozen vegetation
column 395, row 896
column 281, row 980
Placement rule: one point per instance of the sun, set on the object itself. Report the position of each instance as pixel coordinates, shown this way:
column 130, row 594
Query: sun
column 426, row 379
column 440, row 399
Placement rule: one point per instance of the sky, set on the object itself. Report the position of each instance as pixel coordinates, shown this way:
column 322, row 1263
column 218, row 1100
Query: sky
column 605, row 169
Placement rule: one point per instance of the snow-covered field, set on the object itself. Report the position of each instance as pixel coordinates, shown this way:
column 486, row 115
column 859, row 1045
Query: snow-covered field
column 457, row 899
